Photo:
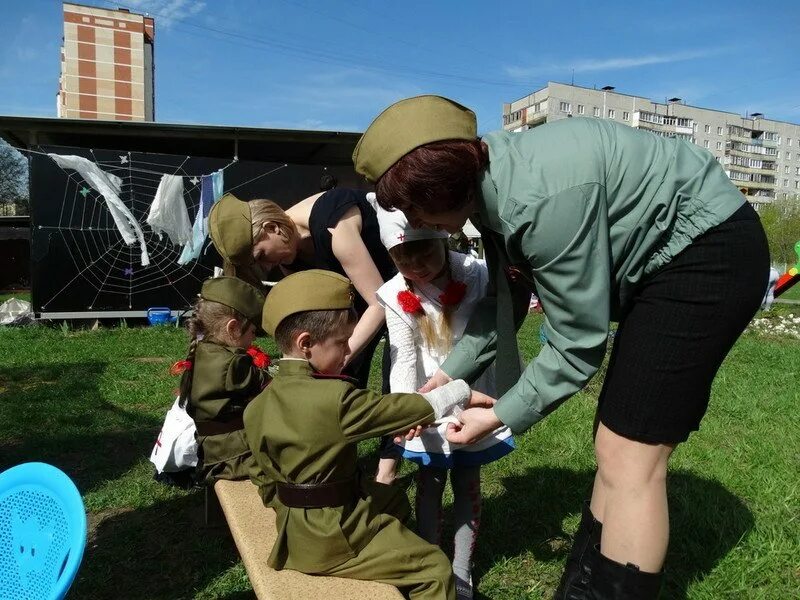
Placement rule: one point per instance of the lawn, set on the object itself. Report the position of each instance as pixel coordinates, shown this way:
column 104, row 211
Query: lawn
column 793, row 293
column 22, row 295
column 91, row 402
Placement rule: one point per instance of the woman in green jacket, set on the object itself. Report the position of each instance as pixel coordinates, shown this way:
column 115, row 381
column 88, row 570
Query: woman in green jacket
column 607, row 223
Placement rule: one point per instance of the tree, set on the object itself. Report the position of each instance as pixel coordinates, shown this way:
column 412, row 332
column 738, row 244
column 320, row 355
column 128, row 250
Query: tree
column 13, row 178
column 781, row 220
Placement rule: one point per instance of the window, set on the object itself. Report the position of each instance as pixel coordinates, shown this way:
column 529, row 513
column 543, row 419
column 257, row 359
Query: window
column 626, row 116
column 708, row 128
column 580, row 109
column 797, row 170
column 788, row 141
column 785, row 183
column 611, row 113
column 705, row 143
column 786, row 169
column 596, row 112
column 564, row 107
column 788, row 156
column 719, row 130
column 719, row 145
column 796, row 184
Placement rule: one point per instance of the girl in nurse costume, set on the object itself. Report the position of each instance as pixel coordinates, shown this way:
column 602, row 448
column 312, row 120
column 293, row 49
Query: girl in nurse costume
column 428, row 304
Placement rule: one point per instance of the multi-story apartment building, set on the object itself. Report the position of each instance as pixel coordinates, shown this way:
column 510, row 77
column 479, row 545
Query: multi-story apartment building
column 760, row 155
column 106, row 65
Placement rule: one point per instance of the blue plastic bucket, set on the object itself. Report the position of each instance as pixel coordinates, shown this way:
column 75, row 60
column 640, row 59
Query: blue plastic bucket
column 160, row 315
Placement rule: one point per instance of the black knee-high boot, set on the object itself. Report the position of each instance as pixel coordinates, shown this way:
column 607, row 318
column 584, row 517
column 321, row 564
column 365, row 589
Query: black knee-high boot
column 610, row 580
column 574, row 582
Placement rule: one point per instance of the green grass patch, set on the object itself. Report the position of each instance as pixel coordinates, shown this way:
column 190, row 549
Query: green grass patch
column 91, row 403
column 793, row 293
column 18, row 295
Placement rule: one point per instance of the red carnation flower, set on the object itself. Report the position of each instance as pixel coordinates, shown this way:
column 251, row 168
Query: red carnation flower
column 453, row 293
column 409, row 302
column 180, row 366
column 260, row 358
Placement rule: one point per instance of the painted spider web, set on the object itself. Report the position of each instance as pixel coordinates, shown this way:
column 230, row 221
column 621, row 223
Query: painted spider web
column 100, row 255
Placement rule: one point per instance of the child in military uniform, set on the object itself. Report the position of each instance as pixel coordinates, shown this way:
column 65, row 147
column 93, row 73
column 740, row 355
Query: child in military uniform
column 304, row 429
column 220, row 377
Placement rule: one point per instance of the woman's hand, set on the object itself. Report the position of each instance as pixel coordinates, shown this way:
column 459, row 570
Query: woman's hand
column 477, row 400
column 476, row 424
column 438, row 379
column 480, row 400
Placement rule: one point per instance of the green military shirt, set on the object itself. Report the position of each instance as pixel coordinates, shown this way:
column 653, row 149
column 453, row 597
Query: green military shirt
column 585, row 208
column 306, row 430
column 224, row 380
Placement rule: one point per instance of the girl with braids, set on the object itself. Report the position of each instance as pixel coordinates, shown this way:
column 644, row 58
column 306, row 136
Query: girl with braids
column 428, row 304
column 221, row 374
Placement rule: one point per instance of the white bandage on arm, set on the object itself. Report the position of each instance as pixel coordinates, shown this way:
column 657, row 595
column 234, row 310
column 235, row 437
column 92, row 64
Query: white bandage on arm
column 447, row 397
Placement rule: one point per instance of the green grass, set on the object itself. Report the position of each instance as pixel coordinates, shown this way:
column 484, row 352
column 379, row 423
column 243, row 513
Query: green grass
column 793, row 293
column 91, row 402
column 22, row 295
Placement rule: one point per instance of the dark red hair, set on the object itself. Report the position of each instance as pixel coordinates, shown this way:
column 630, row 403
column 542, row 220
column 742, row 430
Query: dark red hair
column 437, row 177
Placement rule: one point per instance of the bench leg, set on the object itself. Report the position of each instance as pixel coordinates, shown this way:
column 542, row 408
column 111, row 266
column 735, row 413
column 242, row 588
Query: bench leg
column 213, row 511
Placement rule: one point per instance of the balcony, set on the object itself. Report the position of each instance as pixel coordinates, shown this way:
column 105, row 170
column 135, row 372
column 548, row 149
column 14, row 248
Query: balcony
column 532, row 119
column 753, row 151
column 753, row 141
column 752, row 185
column 769, row 169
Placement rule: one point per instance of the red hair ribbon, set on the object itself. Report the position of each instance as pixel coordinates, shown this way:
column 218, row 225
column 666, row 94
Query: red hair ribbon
column 260, row 358
column 180, row 366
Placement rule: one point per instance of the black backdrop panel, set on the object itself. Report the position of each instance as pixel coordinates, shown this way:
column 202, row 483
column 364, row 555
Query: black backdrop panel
column 81, row 264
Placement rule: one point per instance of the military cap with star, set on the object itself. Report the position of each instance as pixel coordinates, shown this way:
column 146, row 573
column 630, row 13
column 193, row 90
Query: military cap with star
column 406, row 125
column 231, row 229
column 314, row 289
column 235, row 293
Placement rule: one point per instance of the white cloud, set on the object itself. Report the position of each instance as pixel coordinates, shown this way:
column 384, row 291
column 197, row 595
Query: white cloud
column 166, row 12
column 583, row 65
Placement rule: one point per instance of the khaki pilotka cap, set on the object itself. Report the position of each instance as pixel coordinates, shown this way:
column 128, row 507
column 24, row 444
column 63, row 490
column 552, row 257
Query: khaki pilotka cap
column 406, row 125
column 313, row 289
column 235, row 293
column 231, row 228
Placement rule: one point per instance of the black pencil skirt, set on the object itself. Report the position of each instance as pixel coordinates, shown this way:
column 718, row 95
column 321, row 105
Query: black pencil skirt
column 679, row 327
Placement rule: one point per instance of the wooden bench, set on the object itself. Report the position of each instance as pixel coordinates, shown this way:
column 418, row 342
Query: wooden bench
column 252, row 526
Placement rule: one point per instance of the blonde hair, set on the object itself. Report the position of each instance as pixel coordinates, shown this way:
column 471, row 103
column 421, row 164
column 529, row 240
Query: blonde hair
column 266, row 211
column 437, row 336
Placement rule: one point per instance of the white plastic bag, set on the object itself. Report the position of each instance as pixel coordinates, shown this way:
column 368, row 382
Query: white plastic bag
column 176, row 447
column 15, row 312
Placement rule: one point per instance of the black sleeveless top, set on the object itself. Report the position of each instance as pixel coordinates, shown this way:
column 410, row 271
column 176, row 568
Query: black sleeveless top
column 326, row 213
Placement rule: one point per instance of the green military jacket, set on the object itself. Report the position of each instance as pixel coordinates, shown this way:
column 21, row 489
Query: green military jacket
column 224, row 380
column 306, row 430
column 584, row 209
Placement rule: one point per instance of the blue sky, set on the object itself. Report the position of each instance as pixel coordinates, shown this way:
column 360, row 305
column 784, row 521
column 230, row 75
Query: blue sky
column 335, row 65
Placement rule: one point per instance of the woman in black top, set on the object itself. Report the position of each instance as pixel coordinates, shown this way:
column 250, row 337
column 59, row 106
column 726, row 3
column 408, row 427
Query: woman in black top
column 335, row 230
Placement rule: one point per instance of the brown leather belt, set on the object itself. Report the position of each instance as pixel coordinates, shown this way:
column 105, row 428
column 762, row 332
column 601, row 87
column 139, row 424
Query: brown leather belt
column 317, row 495
column 234, row 423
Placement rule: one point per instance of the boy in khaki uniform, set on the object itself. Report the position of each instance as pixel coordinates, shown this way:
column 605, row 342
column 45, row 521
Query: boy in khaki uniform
column 303, row 430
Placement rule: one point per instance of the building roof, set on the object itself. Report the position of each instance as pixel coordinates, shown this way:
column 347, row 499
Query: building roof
column 211, row 141
column 761, row 116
